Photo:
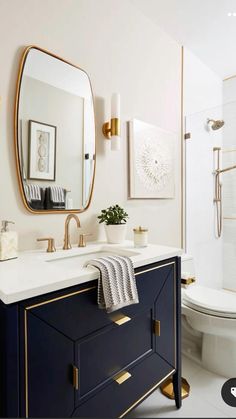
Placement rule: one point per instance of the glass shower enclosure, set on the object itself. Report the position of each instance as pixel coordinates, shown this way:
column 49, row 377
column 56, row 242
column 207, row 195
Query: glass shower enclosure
column 210, row 195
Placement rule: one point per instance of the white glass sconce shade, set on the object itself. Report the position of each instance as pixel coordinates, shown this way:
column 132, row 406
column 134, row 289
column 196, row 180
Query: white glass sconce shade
column 115, row 105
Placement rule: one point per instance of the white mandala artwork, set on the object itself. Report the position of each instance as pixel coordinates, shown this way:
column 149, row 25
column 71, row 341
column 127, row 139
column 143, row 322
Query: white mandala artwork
column 150, row 161
column 153, row 164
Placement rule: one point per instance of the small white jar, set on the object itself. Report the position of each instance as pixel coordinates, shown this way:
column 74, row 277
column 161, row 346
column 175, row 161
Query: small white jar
column 140, row 237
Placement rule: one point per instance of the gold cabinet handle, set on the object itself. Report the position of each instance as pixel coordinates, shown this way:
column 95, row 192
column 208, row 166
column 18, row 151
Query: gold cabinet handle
column 122, row 377
column 157, row 327
column 120, row 319
column 75, row 377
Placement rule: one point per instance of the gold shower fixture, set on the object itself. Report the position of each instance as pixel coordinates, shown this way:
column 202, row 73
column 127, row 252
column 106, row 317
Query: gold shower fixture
column 218, row 190
column 215, row 124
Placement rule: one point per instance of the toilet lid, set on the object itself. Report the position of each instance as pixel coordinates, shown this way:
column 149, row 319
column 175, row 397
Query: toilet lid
column 220, row 302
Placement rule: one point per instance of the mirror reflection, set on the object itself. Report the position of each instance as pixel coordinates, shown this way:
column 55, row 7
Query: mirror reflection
column 55, row 134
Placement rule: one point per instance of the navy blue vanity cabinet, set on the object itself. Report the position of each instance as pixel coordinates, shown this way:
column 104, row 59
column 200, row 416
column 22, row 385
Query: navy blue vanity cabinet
column 70, row 359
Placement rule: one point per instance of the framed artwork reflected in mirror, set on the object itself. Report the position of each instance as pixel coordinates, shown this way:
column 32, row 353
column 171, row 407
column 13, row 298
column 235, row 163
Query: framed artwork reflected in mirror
column 42, row 151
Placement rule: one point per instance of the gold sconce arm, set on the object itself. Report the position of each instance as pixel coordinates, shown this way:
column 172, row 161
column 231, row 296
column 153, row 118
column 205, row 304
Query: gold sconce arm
column 112, row 128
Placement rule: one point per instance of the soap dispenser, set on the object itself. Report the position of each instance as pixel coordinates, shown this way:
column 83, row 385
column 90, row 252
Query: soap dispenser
column 8, row 242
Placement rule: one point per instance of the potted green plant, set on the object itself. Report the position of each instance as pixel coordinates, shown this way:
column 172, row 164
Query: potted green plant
column 115, row 219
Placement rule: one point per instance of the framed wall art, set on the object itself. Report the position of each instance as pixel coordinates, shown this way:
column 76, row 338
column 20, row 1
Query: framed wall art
column 151, row 161
column 42, row 151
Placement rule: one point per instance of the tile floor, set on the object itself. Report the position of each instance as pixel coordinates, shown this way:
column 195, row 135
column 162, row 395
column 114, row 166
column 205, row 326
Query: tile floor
column 204, row 400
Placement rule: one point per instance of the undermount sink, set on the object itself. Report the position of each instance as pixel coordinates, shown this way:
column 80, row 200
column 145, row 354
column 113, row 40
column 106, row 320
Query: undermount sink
column 80, row 260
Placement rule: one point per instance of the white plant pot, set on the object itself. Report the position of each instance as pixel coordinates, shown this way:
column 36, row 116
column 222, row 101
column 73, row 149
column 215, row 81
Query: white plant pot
column 116, row 233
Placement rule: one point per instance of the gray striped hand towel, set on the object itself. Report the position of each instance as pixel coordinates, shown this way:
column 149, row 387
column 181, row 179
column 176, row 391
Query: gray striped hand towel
column 32, row 192
column 116, row 283
column 57, row 194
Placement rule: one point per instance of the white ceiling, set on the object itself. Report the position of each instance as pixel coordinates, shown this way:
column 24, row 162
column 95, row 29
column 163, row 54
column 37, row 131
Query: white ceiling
column 201, row 25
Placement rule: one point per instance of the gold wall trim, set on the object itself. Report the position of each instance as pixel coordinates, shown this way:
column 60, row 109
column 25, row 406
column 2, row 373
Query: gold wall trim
column 146, row 394
column 16, row 146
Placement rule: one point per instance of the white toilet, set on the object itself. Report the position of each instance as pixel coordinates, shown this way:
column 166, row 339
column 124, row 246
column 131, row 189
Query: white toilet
column 209, row 325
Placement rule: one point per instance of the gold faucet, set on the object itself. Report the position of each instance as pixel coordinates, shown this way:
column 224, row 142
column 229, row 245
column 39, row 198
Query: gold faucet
column 67, row 243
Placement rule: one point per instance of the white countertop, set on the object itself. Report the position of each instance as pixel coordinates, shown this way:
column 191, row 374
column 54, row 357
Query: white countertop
column 36, row 273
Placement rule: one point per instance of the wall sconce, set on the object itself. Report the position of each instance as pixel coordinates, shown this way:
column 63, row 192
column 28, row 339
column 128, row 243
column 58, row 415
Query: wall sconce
column 111, row 130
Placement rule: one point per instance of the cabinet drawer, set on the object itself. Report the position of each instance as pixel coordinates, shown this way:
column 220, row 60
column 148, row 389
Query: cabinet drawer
column 117, row 399
column 109, row 351
column 75, row 314
column 83, row 316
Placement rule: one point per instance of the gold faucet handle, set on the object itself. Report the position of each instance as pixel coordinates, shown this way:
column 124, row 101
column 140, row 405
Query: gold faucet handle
column 82, row 241
column 51, row 244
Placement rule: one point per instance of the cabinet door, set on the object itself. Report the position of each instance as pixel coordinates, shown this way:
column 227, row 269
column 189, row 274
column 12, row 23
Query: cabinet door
column 49, row 357
column 109, row 351
column 165, row 316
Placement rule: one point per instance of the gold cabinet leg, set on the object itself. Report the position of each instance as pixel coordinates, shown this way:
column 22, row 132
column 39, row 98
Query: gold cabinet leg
column 168, row 391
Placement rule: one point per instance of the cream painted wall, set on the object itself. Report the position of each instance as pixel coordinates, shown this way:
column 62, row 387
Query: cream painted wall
column 123, row 51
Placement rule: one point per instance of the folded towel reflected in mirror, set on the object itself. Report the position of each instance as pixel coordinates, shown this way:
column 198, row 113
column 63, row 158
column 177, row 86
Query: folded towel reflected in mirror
column 55, row 197
column 35, row 195
column 116, row 283
column 57, row 194
column 32, row 192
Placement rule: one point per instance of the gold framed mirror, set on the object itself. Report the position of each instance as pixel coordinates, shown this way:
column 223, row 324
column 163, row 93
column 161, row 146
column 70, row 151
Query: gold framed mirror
column 54, row 134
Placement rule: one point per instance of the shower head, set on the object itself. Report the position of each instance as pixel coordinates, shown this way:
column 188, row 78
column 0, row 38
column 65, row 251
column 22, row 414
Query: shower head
column 216, row 124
